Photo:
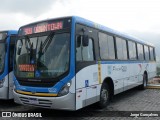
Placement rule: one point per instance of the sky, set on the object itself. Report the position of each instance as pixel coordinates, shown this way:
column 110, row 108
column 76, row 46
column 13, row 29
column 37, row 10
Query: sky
column 139, row 18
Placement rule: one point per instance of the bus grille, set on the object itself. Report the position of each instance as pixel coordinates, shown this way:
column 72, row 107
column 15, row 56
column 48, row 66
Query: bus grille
column 37, row 84
column 40, row 102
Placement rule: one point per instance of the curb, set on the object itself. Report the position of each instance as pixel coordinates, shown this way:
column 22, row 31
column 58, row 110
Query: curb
column 153, row 87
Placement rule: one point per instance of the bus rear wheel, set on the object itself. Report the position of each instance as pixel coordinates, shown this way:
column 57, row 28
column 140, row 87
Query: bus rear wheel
column 104, row 96
column 145, row 80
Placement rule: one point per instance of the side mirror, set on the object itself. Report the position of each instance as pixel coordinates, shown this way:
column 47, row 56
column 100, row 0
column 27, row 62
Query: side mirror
column 78, row 41
column 85, row 40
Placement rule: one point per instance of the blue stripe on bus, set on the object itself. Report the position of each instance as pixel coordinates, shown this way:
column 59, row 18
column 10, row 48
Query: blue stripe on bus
column 122, row 62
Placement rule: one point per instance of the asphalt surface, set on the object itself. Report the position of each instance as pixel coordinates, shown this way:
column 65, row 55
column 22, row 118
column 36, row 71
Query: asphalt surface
column 132, row 102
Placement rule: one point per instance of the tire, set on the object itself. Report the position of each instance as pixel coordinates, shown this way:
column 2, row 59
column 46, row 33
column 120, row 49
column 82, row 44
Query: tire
column 145, row 81
column 104, row 96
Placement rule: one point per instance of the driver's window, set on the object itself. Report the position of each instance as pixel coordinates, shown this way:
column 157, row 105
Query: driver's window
column 84, row 53
column 78, row 50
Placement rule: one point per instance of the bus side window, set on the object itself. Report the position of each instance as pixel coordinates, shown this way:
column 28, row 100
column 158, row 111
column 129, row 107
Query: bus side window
column 84, row 53
column 121, row 48
column 140, row 52
column 132, row 50
column 146, row 53
column 106, row 44
column 87, row 51
column 154, row 54
column 78, row 48
column 151, row 53
column 124, row 46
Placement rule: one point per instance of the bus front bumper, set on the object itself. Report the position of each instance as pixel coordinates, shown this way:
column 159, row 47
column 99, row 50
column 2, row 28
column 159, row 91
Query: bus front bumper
column 66, row 102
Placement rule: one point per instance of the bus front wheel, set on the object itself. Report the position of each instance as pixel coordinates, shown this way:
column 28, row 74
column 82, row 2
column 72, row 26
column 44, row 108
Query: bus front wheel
column 104, row 96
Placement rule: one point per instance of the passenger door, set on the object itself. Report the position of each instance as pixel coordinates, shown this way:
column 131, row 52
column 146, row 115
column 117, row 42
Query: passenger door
column 86, row 68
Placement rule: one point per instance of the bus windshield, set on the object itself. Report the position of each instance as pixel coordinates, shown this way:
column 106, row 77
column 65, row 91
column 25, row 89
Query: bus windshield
column 44, row 56
column 2, row 56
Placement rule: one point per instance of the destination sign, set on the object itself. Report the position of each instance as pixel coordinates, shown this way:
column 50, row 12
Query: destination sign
column 27, row 67
column 43, row 28
column 51, row 25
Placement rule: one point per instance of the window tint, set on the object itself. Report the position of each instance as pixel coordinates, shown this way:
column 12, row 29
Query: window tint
column 124, row 49
column 154, row 54
column 78, row 50
column 151, row 53
column 140, row 52
column 146, row 52
column 85, row 53
column 132, row 50
column 106, row 43
column 103, row 43
column 111, row 49
column 121, row 48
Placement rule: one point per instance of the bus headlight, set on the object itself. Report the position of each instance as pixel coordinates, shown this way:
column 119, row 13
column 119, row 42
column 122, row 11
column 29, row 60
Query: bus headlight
column 65, row 89
column 1, row 83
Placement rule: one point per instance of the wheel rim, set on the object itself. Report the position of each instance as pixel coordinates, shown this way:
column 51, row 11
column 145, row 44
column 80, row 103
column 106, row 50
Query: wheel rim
column 104, row 96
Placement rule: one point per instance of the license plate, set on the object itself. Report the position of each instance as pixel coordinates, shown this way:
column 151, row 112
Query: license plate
column 33, row 101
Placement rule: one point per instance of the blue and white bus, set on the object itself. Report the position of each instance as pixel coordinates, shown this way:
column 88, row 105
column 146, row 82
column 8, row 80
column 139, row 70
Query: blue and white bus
column 7, row 42
column 69, row 63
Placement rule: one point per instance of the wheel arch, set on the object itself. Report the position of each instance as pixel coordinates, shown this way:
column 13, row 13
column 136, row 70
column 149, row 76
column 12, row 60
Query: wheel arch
column 145, row 72
column 109, row 81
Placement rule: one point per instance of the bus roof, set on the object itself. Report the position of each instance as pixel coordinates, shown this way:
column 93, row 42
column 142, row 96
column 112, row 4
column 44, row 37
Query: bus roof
column 10, row 31
column 97, row 26
column 109, row 30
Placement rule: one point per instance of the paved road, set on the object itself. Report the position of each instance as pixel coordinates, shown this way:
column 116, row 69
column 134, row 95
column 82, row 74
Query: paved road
column 133, row 101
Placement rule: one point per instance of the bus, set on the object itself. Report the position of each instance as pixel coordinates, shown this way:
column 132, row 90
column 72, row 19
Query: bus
column 7, row 42
column 70, row 62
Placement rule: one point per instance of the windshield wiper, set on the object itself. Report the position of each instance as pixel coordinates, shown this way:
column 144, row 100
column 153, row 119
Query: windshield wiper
column 29, row 43
column 47, row 41
column 43, row 47
column 29, row 48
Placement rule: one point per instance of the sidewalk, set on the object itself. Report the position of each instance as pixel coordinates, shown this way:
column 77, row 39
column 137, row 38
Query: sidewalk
column 154, row 84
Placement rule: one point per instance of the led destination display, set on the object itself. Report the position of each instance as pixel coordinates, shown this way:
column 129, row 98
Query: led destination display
column 45, row 26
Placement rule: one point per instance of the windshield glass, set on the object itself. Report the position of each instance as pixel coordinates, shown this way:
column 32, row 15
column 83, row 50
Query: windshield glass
column 2, row 56
column 3, row 35
column 43, row 56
